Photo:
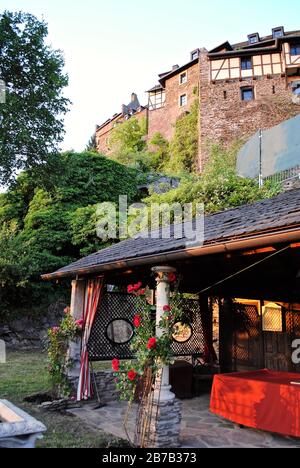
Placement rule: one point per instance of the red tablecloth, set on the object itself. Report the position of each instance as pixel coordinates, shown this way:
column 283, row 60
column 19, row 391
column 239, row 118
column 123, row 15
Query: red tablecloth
column 262, row 400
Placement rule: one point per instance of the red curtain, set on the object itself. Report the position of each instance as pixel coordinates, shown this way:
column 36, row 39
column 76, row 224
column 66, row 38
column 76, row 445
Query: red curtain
column 92, row 299
column 210, row 355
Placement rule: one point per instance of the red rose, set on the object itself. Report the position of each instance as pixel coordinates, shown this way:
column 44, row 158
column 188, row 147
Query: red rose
column 132, row 375
column 130, row 289
column 116, row 365
column 152, row 343
column 172, row 277
column 137, row 321
column 137, row 286
column 80, row 323
column 141, row 292
column 167, row 308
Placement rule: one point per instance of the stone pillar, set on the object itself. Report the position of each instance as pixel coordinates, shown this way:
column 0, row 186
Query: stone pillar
column 77, row 309
column 163, row 299
column 166, row 411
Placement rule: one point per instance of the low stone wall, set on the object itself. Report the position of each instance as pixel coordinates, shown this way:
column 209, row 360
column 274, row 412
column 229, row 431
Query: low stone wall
column 29, row 333
column 106, row 386
column 59, row 405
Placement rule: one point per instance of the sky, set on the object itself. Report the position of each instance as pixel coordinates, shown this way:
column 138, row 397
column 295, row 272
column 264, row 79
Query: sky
column 115, row 47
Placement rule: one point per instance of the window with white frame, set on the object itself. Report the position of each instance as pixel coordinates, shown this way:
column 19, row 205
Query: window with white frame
column 183, row 100
column 183, row 78
column 247, row 93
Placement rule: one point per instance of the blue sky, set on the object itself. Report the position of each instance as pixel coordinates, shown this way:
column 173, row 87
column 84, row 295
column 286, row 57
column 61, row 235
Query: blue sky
column 115, row 47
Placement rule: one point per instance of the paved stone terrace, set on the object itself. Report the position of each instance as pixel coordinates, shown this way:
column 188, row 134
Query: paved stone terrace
column 200, row 428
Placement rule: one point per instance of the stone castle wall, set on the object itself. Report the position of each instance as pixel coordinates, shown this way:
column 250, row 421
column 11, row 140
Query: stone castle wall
column 163, row 120
column 225, row 118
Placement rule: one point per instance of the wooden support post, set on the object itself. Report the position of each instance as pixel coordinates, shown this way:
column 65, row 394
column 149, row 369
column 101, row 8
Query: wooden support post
column 226, row 325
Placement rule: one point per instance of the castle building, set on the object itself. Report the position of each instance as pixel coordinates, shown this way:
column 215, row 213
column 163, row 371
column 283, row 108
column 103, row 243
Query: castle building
column 241, row 88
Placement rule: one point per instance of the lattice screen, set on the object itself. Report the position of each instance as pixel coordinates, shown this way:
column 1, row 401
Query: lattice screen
column 196, row 343
column 293, row 322
column 116, row 306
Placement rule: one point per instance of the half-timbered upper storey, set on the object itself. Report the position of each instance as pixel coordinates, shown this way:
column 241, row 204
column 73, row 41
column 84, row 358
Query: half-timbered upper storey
column 276, row 54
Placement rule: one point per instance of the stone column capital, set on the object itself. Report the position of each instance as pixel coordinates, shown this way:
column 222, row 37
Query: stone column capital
column 162, row 273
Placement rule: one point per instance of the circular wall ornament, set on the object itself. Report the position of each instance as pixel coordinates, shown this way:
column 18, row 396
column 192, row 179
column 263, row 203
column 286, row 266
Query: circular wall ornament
column 183, row 332
column 119, row 331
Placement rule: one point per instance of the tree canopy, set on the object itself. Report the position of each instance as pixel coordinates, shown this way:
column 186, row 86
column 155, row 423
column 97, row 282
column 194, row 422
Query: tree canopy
column 41, row 231
column 32, row 116
column 127, row 141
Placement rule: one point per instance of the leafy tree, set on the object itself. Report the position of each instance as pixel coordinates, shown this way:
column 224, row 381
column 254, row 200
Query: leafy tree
column 157, row 158
column 32, row 116
column 92, row 144
column 42, row 230
column 128, row 141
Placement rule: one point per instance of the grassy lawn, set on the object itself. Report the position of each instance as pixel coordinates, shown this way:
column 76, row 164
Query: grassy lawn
column 25, row 374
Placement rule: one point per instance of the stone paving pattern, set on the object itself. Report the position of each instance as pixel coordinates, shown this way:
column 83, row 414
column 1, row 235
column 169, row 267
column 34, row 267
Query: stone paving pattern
column 200, row 428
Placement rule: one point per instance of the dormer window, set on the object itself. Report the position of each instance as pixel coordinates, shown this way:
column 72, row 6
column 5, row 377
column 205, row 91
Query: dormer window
column 278, row 32
column 253, row 38
column 195, row 54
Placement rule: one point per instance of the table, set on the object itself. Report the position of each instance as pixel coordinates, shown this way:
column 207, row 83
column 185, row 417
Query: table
column 262, row 400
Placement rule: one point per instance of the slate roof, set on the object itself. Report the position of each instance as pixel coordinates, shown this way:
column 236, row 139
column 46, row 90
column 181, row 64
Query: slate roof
column 176, row 71
column 272, row 215
column 266, row 44
column 155, row 88
column 266, row 39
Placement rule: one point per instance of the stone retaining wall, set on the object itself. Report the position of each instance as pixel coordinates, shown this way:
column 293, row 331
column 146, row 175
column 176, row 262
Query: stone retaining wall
column 28, row 332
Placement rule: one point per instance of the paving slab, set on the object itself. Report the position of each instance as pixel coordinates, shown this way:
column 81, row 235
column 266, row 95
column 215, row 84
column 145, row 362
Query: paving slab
column 199, row 429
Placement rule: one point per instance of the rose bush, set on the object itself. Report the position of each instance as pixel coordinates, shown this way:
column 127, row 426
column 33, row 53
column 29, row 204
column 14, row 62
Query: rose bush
column 150, row 351
column 57, row 348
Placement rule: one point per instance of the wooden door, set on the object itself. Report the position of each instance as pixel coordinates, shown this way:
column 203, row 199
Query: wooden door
column 277, row 351
column 248, row 351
